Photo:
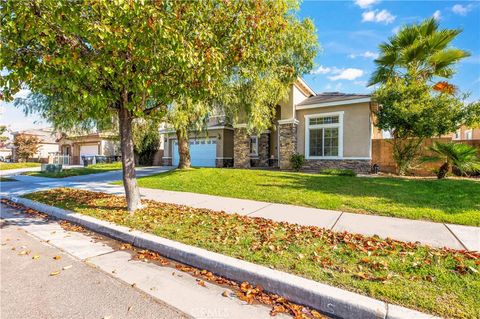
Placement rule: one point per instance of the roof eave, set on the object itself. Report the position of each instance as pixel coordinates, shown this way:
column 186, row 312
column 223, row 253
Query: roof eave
column 333, row 103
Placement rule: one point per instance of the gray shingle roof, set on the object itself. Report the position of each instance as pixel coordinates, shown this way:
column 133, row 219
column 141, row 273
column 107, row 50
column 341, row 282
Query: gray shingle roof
column 326, row 97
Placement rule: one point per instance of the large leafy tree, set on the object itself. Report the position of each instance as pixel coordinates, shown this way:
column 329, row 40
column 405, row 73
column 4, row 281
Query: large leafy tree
column 26, row 146
column 412, row 111
column 413, row 103
column 131, row 59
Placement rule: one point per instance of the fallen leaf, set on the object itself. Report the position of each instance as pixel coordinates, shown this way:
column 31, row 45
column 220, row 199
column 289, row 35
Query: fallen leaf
column 129, row 308
column 36, row 257
column 54, row 273
column 225, row 293
column 67, row 267
column 24, row 252
column 201, row 283
column 57, row 257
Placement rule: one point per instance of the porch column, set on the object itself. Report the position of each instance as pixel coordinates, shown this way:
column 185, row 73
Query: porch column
column 287, row 143
column 241, row 147
column 263, row 149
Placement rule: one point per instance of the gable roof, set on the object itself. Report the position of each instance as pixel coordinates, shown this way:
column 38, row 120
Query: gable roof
column 332, row 97
column 303, row 86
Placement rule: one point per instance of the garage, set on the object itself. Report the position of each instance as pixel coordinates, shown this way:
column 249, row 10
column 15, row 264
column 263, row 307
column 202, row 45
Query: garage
column 203, row 152
column 88, row 150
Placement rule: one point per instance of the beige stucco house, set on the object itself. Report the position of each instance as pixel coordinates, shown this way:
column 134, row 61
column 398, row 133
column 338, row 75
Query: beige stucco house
column 332, row 130
column 93, row 144
column 48, row 143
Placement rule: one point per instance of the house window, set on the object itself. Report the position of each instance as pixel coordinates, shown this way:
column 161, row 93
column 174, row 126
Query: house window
column 253, row 146
column 458, row 135
column 323, row 135
column 468, row 135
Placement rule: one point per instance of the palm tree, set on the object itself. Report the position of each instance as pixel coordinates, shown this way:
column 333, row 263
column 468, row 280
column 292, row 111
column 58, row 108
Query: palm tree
column 461, row 156
column 421, row 50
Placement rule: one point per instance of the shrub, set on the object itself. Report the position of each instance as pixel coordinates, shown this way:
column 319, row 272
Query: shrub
column 297, row 161
column 338, row 172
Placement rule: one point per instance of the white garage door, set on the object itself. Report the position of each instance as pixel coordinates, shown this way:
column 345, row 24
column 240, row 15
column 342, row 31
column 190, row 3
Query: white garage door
column 202, row 152
column 88, row 150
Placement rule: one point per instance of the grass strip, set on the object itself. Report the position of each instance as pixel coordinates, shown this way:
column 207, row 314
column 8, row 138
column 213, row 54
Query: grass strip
column 444, row 282
column 92, row 169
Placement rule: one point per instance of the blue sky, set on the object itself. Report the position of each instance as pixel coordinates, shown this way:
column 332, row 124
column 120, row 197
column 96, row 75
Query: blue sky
column 349, row 33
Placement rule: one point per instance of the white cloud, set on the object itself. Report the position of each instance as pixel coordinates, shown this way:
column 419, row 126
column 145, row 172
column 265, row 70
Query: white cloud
column 437, row 15
column 383, row 16
column 339, row 74
column 366, row 55
column 321, row 70
column 395, row 30
column 461, row 10
column 360, row 83
column 349, row 74
column 365, row 3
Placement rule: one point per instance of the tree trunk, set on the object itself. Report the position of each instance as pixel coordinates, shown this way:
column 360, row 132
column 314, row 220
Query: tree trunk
column 183, row 150
column 132, row 192
column 443, row 171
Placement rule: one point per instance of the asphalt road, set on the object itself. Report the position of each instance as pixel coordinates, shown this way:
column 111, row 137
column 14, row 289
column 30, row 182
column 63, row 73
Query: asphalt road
column 28, row 290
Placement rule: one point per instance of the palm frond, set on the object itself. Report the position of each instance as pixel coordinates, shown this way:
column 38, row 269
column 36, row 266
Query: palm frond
column 464, row 157
column 441, row 39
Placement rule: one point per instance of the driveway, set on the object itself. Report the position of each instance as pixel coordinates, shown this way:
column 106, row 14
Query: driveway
column 26, row 184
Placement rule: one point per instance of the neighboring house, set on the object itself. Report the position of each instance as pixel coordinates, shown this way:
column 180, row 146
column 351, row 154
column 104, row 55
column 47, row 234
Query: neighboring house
column 466, row 133
column 48, row 143
column 332, row 130
column 5, row 152
column 93, row 144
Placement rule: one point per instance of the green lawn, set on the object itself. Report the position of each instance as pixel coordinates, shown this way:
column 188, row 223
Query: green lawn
column 7, row 166
column 439, row 281
column 6, row 179
column 92, row 169
column 453, row 201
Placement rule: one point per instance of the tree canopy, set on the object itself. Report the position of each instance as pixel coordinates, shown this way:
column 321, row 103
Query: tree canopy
column 26, row 146
column 94, row 59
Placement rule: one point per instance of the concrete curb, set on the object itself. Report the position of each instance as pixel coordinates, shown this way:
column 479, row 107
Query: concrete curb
column 327, row 299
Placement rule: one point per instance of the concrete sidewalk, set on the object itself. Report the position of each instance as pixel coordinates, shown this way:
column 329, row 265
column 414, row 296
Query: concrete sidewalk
column 429, row 233
column 75, row 291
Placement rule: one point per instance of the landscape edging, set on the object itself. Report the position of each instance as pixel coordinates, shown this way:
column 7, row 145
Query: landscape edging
column 324, row 298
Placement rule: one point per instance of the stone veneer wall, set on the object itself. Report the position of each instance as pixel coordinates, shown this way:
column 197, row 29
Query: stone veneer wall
column 241, row 148
column 263, row 151
column 287, row 144
column 359, row 166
